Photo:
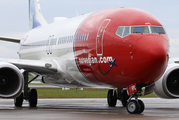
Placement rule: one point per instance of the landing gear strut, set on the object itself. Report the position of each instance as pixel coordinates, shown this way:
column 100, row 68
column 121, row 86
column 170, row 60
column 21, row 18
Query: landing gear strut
column 113, row 96
column 29, row 94
column 123, row 96
column 135, row 106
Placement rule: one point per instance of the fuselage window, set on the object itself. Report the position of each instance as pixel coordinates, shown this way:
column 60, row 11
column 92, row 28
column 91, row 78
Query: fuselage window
column 81, row 37
column 156, row 29
column 87, row 36
column 68, row 39
column 84, row 36
column 65, row 40
column 62, row 40
column 139, row 29
column 58, row 40
column 120, row 31
column 71, row 39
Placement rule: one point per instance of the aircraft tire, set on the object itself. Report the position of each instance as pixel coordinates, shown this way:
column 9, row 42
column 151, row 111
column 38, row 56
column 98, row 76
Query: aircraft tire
column 112, row 99
column 19, row 100
column 132, row 107
column 142, row 106
column 33, row 98
column 125, row 97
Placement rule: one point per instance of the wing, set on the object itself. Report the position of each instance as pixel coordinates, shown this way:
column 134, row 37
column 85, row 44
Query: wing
column 8, row 39
column 38, row 66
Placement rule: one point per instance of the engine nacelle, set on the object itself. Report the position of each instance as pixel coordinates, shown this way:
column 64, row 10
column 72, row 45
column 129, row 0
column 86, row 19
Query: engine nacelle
column 168, row 85
column 11, row 80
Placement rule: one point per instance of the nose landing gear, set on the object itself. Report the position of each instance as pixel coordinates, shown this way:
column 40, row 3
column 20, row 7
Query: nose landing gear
column 133, row 106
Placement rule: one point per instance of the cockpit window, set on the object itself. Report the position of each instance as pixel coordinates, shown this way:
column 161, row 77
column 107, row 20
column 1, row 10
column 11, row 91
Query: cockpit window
column 139, row 29
column 123, row 31
column 120, row 31
column 126, row 31
column 156, row 29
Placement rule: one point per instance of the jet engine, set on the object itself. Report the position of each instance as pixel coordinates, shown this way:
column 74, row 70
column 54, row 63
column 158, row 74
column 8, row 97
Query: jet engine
column 168, row 85
column 11, row 81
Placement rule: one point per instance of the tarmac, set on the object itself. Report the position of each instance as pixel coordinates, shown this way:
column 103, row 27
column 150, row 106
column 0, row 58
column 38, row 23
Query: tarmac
column 88, row 109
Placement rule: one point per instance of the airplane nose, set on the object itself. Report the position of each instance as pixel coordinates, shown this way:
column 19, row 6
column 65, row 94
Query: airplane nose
column 152, row 58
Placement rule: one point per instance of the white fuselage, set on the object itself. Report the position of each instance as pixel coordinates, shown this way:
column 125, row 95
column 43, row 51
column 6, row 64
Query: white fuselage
column 56, row 42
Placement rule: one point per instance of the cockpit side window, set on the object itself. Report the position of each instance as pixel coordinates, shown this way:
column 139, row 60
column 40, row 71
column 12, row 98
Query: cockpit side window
column 157, row 29
column 126, row 31
column 139, row 29
column 120, row 31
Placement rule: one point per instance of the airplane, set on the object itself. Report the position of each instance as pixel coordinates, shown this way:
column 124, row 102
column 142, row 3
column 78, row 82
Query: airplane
column 123, row 49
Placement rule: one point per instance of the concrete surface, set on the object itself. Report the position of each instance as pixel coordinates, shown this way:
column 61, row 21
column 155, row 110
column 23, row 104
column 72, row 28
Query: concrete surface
column 88, row 109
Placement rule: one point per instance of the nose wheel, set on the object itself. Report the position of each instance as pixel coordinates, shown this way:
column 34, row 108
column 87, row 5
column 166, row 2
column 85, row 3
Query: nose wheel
column 135, row 106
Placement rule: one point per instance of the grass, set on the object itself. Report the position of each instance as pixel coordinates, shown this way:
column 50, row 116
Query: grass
column 38, row 84
column 85, row 93
column 59, row 93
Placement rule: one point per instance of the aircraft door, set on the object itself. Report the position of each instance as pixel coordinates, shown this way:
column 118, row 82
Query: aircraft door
column 48, row 45
column 99, row 38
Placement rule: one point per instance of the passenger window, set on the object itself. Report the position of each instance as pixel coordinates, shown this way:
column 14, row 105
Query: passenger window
column 156, row 29
column 63, row 40
column 78, row 38
column 120, row 31
column 140, row 29
column 87, row 36
column 58, row 40
column 126, row 31
column 84, row 36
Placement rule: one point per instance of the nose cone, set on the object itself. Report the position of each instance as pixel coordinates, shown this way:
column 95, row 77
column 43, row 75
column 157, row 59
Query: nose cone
column 152, row 58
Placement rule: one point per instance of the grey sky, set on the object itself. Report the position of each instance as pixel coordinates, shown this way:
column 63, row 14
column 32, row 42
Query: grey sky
column 14, row 21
